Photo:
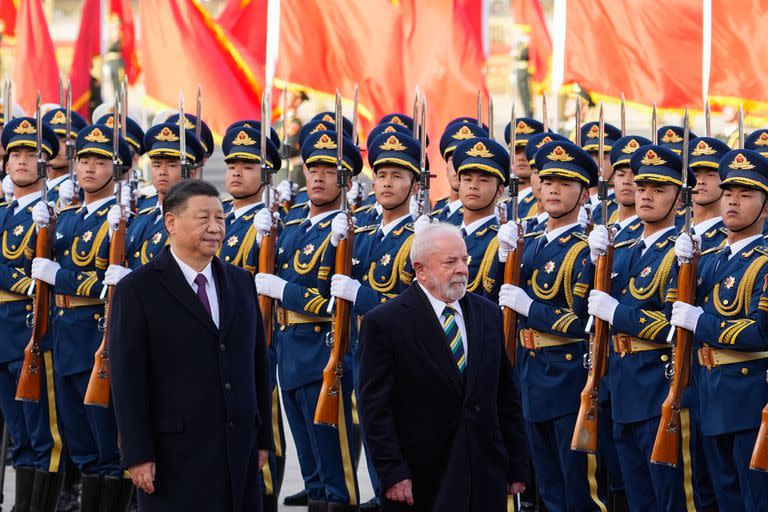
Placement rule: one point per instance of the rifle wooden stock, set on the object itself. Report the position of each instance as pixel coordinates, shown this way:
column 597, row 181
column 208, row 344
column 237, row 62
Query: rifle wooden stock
column 327, row 411
column 666, row 447
column 28, row 388
column 98, row 390
column 512, row 276
column 585, row 433
column 267, row 264
column 759, row 459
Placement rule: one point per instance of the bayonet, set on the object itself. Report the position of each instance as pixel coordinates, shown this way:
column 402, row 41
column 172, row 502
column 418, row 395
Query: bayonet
column 577, row 134
column 741, row 126
column 479, row 108
column 183, row 139
column 544, row 112
column 654, row 130
column 490, row 117
column 425, row 205
column 623, row 116
column 707, row 124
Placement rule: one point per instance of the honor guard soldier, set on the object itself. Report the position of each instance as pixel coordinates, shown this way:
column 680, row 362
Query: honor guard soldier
column 134, row 136
column 482, row 165
column 758, row 141
column 35, row 441
column 272, row 136
column 627, row 224
column 451, row 210
column 206, row 136
column 381, row 267
column 732, row 355
column 80, row 256
column 552, row 339
column 537, row 215
column 58, row 167
column 704, row 159
column 242, row 153
column 635, row 308
column 525, row 128
column 326, row 455
column 671, row 137
column 590, row 142
column 146, row 234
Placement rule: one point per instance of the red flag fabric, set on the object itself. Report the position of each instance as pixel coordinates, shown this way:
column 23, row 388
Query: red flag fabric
column 247, row 21
column 88, row 44
column 35, row 68
column 649, row 51
column 737, row 63
column 182, row 46
column 8, row 9
column 529, row 16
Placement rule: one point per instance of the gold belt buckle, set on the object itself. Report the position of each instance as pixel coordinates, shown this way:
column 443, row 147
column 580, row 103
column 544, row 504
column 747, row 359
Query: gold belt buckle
column 624, row 344
column 707, row 357
column 528, row 339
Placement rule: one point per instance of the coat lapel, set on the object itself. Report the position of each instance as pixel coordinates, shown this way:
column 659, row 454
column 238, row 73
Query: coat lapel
column 475, row 344
column 225, row 292
column 173, row 279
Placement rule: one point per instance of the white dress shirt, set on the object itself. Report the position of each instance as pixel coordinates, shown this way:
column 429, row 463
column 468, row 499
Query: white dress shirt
column 471, row 228
column 741, row 244
column 387, row 228
column 439, row 306
column 25, row 201
column 649, row 241
column 453, row 206
column 210, row 286
column 245, row 209
column 702, row 227
column 321, row 217
column 94, row 206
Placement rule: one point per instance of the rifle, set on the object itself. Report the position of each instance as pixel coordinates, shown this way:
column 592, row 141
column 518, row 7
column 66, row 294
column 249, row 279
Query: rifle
column 133, row 174
column 97, row 392
column 267, row 249
column 6, row 118
column 596, row 360
column 479, row 108
column 425, row 204
column 666, row 448
column 70, row 146
column 199, row 126
column 185, row 167
column 514, row 258
column 654, row 129
column 284, row 150
column 759, row 460
column 327, row 411
column 741, row 126
column 28, row 388
column 490, row 117
column 355, row 138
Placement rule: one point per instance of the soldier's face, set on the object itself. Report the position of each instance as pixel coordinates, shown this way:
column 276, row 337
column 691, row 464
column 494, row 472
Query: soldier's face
column 624, row 186
column 707, row 189
column 450, row 174
column 393, row 186
column 22, row 166
column 742, row 207
column 522, row 167
column 166, row 172
column 93, row 172
column 198, row 228
column 535, row 184
column 606, row 163
column 321, row 183
column 655, row 202
column 562, row 197
column 479, row 190
column 61, row 158
column 243, row 179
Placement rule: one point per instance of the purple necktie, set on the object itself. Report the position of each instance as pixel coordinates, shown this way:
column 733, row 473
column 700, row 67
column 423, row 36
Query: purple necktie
column 201, row 281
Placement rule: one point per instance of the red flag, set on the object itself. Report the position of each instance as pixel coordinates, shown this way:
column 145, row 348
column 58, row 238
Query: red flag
column 649, row 51
column 529, row 16
column 247, row 21
column 35, row 68
column 182, row 46
column 737, row 63
column 8, row 10
column 88, row 44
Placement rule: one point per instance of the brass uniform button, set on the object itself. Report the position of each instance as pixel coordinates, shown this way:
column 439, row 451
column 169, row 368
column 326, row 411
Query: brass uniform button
column 29, row 307
column 61, row 312
column 66, row 253
column 532, row 353
column 318, row 328
column 282, row 327
column 285, row 266
column 226, row 258
column 745, row 371
column 706, row 299
column 664, row 357
column 135, row 255
column 568, row 357
column 365, row 278
column 623, row 291
column 97, row 316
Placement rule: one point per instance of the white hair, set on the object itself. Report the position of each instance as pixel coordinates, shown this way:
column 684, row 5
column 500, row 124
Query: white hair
column 424, row 240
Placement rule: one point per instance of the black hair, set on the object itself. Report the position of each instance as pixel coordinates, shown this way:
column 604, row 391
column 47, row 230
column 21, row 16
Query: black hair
column 177, row 197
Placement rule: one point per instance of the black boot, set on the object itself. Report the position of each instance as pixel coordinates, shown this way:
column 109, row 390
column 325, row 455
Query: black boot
column 46, row 491
column 277, row 482
column 109, row 501
column 269, row 503
column 342, row 507
column 619, row 502
column 357, row 444
column 296, row 500
column 69, row 501
column 91, row 493
column 317, row 506
column 371, row 505
column 25, row 481
column 124, row 495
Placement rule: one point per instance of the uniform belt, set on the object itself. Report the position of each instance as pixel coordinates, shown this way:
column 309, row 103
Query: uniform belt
column 288, row 317
column 625, row 344
column 532, row 339
column 12, row 297
column 73, row 301
column 712, row 357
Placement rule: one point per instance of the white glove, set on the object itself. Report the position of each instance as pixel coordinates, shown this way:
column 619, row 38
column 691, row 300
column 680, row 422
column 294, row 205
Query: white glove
column 354, row 192
column 45, row 270
column 114, row 274
column 8, row 188
column 508, row 237
column 583, row 218
column 514, row 297
column 684, row 246
column 125, row 197
column 344, row 287
column 41, row 214
column 421, row 223
column 339, row 227
column 270, row 285
column 66, row 191
column 685, row 315
column 602, row 305
column 262, row 221
column 284, row 190
column 413, row 207
column 114, row 215
column 598, row 242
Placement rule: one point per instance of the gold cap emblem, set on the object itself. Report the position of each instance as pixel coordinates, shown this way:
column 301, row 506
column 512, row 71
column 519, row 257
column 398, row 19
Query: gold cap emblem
column 559, row 154
column 325, row 142
column 671, row 137
column 740, row 162
column 392, row 144
column 329, row 118
column 389, row 129
column 59, row 118
column 480, row 150
column 319, row 128
column 243, row 139
column 523, row 128
column 25, row 128
column 110, row 121
column 96, row 135
column 762, row 140
column 397, row 120
column 166, row 135
column 594, row 132
column 651, row 158
column 464, row 133
column 631, row 147
column 702, row 148
column 544, row 140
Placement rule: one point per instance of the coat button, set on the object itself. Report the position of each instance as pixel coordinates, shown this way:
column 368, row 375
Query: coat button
column 285, row 266
column 222, row 347
column 532, row 353
column 282, row 327
column 745, row 371
column 227, row 386
column 568, row 357
column 136, row 254
column 29, row 307
column 476, row 408
column 61, row 312
column 664, row 357
column 318, row 328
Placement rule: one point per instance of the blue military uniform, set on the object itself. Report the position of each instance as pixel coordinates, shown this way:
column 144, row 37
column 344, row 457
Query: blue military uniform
column 552, row 344
column 146, row 235
column 526, row 128
column 590, row 136
column 35, row 442
column 57, row 119
column 705, row 154
column 621, row 154
column 731, row 351
column 326, row 455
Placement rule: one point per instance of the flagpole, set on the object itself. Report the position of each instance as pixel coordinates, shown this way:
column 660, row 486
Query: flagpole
column 104, row 49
